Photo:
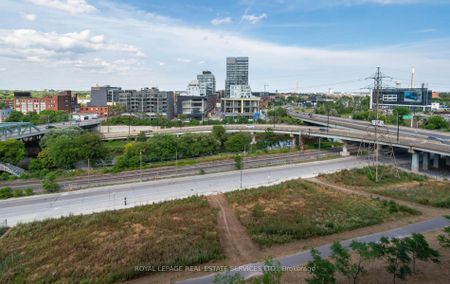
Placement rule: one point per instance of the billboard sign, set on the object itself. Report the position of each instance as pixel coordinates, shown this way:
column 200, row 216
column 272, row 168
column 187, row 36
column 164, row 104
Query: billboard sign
column 412, row 96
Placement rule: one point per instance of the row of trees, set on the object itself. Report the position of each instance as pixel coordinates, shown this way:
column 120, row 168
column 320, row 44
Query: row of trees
column 45, row 116
column 343, row 105
column 160, row 148
column 399, row 255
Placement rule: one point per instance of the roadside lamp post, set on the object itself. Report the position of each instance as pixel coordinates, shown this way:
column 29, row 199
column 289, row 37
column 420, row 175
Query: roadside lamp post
column 140, row 163
column 328, row 119
column 318, row 154
column 89, row 172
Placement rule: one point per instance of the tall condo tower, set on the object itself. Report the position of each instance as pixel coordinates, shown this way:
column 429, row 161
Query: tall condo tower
column 237, row 73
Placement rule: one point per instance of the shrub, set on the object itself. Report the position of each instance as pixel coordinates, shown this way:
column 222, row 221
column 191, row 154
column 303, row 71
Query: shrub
column 29, row 192
column 6, row 193
column 49, row 184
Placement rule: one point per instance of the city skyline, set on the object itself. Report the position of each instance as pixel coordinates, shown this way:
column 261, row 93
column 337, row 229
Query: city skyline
column 314, row 45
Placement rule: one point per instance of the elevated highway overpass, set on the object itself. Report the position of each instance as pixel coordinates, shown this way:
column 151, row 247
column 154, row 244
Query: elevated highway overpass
column 420, row 147
column 339, row 122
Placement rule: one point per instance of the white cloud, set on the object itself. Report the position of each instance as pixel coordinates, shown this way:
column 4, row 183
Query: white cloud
column 34, row 45
column 162, row 63
column 184, row 60
column 71, row 6
column 254, row 19
column 220, row 21
column 424, row 31
column 2, row 69
column 28, row 17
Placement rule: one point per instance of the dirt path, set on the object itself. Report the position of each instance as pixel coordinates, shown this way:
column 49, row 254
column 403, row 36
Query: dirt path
column 237, row 244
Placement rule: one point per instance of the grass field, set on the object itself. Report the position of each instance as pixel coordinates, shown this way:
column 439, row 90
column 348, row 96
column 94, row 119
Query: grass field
column 105, row 247
column 409, row 187
column 299, row 209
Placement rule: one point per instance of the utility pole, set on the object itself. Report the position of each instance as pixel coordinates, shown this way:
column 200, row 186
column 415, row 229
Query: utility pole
column 89, row 172
column 328, row 119
column 318, row 154
column 378, row 83
column 398, row 127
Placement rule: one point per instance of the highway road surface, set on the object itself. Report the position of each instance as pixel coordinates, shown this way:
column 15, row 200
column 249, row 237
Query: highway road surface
column 362, row 126
column 299, row 259
column 39, row 207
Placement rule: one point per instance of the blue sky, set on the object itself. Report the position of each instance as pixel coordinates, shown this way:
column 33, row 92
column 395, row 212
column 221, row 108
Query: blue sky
column 74, row 44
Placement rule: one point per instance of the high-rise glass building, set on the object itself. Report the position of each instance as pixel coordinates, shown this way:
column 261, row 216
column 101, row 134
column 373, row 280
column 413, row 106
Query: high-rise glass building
column 207, row 83
column 237, row 73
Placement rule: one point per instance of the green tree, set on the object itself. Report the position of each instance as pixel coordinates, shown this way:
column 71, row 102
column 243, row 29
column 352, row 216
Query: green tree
column 219, row 133
column 12, row 151
column 436, row 122
column 141, row 137
column 419, row 248
column 322, row 271
column 238, row 142
column 396, row 254
column 49, row 183
column 272, row 272
column 238, row 162
column 90, row 146
column 343, row 259
column 15, row 116
column 6, row 192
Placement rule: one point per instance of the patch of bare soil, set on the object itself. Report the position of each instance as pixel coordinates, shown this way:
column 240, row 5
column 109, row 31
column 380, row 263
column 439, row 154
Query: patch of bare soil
column 237, row 244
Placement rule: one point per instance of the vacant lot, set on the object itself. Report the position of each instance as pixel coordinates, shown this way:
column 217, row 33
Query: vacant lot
column 298, row 209
column 407, row 186
column 106, row 247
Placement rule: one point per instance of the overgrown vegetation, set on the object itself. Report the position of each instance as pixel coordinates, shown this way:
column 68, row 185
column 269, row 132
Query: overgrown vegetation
column 7, row 192
column 106, row 247
column 406, row 186
column 365, row 177
column 12, row 151
column 298, row 209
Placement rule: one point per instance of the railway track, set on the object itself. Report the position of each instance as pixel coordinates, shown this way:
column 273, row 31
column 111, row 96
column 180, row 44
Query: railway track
column 85, row 181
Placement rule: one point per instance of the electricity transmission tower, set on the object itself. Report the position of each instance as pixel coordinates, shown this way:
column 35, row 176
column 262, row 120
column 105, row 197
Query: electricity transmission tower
column 370, row 144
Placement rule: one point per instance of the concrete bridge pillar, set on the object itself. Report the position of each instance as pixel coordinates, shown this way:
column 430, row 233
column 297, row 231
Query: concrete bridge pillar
column 436, row 158
column 415, row 162
column 253, row 138
column 425, row 161
column 345, row 152
column 447, row 161
column 293, row 140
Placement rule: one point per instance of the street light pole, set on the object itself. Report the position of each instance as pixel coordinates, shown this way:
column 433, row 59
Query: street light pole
column 398, row 127
column 140, row 163
column 328, row 119
column 89, row 172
